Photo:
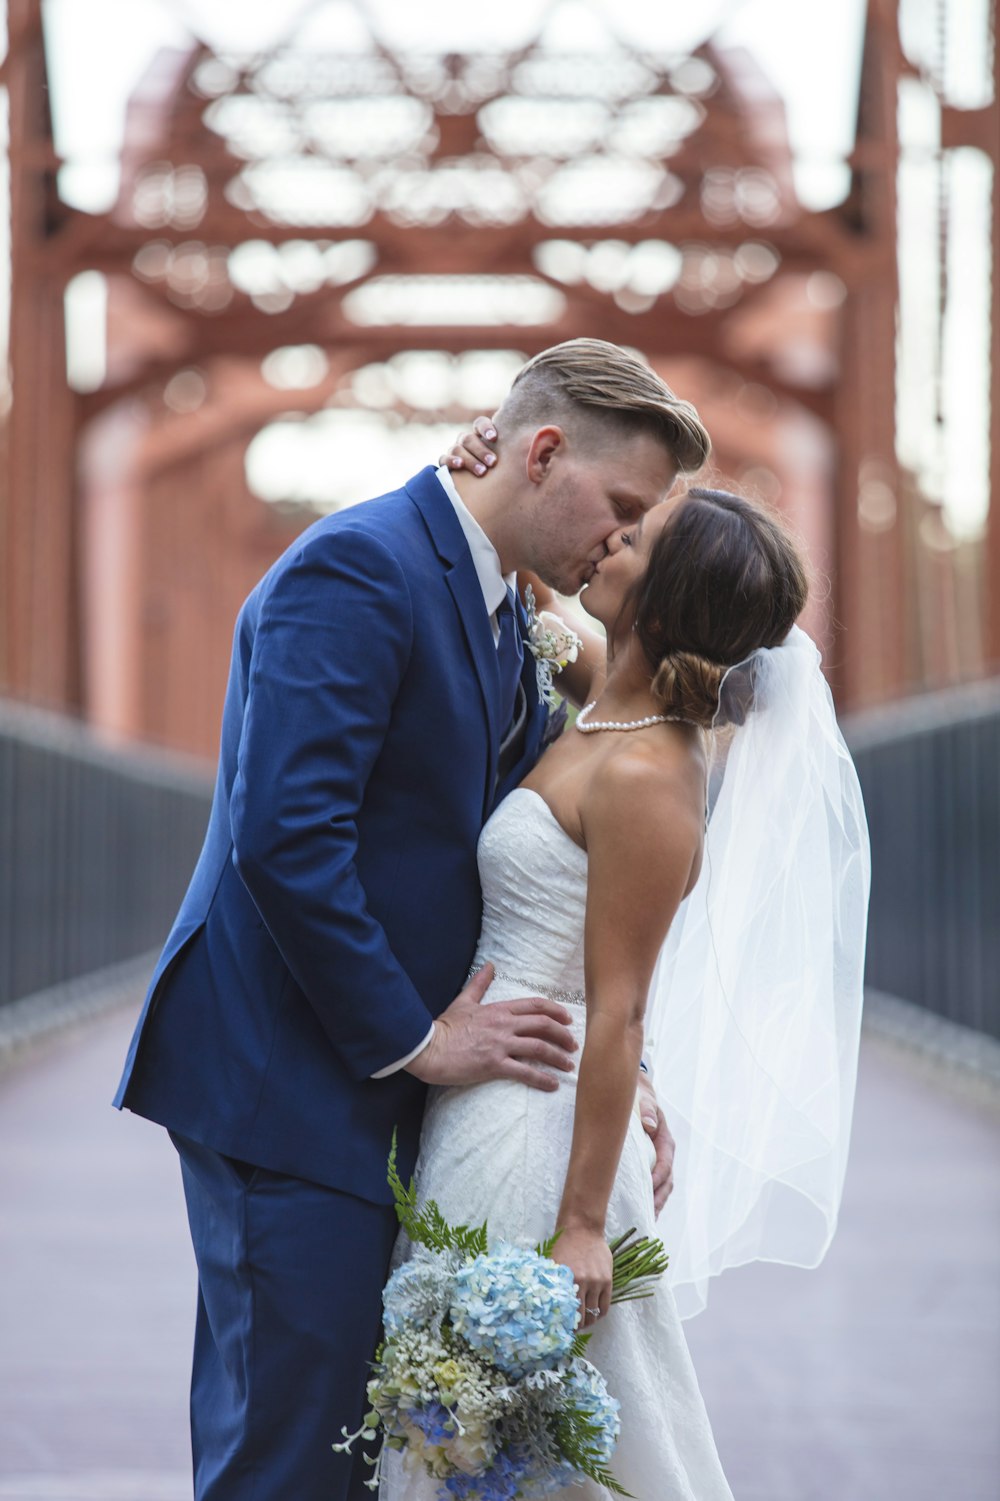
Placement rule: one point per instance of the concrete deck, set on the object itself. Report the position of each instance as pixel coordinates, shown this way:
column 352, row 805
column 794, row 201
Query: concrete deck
column 875, row 1378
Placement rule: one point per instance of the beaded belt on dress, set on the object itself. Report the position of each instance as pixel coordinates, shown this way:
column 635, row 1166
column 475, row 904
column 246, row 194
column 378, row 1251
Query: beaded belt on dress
column 532, row 987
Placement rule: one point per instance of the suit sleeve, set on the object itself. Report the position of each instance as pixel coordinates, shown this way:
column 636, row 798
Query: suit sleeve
column 332, row 644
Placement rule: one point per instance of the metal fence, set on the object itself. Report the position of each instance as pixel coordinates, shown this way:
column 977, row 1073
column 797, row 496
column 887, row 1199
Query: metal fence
column 930, row 771
column 96, row 848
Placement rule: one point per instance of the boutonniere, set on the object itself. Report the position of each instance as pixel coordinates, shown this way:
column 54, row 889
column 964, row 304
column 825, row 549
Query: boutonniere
column 552, row 644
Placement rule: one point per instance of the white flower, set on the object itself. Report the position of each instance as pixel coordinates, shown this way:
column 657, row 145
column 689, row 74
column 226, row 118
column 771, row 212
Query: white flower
column 552, row 644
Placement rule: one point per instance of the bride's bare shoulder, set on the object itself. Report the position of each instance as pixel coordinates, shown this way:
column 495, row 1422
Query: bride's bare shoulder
column 645, row 788
column 643, row 825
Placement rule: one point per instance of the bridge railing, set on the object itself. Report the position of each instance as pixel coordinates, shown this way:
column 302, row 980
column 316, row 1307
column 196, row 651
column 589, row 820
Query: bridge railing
column 97, row 846
column 930, row 772
column 96, row 849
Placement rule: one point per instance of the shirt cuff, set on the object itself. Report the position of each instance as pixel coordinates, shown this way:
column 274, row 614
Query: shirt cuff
column 393, row 1068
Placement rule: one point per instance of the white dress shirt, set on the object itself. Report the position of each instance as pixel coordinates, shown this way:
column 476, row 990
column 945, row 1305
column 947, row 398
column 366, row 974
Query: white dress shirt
column 494, row 586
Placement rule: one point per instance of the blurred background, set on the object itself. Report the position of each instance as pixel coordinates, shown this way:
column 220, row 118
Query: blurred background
column 263, row 261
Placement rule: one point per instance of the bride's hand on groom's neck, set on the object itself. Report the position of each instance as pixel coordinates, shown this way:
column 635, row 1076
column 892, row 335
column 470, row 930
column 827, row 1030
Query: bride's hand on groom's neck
column 474, row 450
column 519, row 1040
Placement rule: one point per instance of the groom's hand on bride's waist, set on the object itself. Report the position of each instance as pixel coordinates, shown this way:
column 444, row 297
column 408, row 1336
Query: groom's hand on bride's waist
column 654, row 1123
column 472, row 1043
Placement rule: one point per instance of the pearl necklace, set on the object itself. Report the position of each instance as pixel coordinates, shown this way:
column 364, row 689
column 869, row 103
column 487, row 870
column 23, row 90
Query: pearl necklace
column 611, row 724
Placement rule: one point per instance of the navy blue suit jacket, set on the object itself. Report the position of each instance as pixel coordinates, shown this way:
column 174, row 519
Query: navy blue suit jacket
column 335, row 907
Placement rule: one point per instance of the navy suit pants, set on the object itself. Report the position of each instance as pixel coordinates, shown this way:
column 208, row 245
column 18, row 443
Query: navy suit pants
column 290, row 1278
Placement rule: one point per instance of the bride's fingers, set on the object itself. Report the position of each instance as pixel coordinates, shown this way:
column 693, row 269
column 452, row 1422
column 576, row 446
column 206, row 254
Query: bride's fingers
column 469, row 452
column 482, row 439
column 472, row 450
column 476, row 454
column 455, row 457
column 589, row 1301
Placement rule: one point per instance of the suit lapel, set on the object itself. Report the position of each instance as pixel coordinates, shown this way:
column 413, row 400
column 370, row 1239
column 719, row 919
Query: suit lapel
column 426, row 491
column 536, row 719
column 463, row 583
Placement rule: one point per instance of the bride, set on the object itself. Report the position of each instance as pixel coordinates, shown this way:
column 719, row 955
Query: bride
column 584, row 869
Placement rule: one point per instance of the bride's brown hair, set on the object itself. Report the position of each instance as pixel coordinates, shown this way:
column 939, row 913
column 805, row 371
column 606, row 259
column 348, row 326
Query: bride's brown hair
column 724, row 578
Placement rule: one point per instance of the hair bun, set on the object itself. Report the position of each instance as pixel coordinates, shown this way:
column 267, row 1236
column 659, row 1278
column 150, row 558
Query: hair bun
column 687, row 686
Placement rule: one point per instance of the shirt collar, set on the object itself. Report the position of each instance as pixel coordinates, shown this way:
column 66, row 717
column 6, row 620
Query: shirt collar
column 484, row 555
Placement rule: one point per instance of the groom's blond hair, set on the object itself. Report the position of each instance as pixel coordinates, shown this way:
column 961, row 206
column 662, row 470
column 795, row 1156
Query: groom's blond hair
column 599, row 390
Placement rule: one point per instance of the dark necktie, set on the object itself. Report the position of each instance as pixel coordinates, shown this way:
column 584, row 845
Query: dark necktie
column 510, row 657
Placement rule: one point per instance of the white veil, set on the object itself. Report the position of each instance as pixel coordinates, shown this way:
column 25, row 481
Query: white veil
column 754, row 1010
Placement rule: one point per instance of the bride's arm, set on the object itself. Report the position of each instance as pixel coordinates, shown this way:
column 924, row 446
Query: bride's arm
column 643, row 835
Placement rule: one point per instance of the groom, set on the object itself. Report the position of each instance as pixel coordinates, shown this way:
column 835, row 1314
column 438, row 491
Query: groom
column 380, row 703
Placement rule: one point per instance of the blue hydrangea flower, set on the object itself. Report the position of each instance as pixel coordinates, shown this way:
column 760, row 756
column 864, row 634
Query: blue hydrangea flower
column 517, row 1309
column 499, row 1483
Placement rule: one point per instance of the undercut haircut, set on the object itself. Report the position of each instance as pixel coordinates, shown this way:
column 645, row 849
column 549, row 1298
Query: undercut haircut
column 599, row 393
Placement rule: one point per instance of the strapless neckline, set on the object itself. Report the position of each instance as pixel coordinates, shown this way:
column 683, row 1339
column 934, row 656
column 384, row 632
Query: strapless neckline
column 552, row 817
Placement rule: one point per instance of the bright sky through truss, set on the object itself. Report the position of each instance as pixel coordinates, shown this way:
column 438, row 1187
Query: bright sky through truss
column 99, row 49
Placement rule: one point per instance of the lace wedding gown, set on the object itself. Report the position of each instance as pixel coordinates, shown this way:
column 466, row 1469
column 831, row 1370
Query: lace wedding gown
column 499, row 1152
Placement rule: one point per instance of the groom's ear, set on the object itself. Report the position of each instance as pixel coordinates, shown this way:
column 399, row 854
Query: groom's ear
column 547, row 445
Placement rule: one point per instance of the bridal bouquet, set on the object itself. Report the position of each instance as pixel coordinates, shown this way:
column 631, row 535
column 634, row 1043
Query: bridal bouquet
column 482, row 1379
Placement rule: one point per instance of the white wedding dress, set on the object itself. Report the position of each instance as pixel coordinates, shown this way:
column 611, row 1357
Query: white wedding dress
column 499, row 1152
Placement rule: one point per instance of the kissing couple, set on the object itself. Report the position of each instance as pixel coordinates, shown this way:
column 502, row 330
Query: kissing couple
column 425, row 906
